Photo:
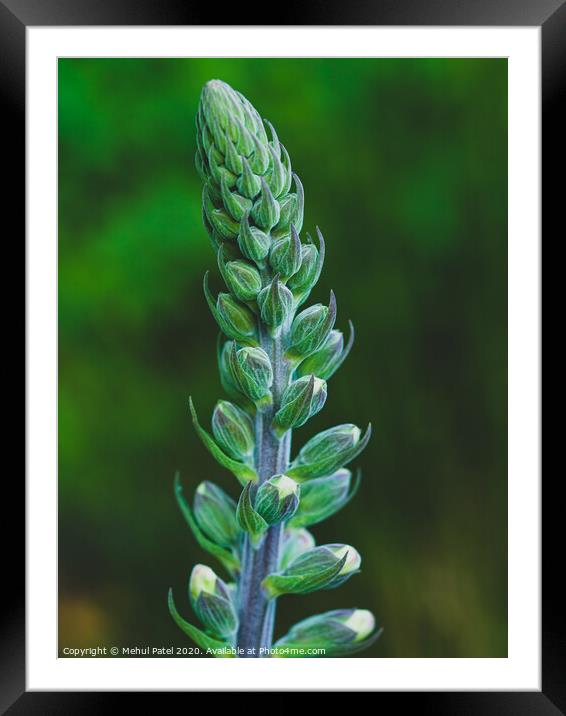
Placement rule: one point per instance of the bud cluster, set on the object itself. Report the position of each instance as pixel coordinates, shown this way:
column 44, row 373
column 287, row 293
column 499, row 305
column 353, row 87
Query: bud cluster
column 274, row 358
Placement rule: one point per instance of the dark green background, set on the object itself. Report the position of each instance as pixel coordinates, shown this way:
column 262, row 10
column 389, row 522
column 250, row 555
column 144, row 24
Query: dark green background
column 404, row 164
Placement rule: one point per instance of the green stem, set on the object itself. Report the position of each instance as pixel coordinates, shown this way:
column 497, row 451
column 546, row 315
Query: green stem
column 257, row 613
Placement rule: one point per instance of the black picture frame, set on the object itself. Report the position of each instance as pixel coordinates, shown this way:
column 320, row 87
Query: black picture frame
column 550, row 15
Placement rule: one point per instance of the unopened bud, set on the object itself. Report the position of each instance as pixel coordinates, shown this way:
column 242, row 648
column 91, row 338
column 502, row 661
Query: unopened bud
column 253, row 243
column 337, row 633
column 252, row 369
column 292, row 211
column 234, row 319
column 277, row 499
column 301, row 400
column 285, row 255
column 218, row 218
column 324, row 567
column 212, row 601
column 275, row 304
column 227, row 378
column 310, row 329
column 266, row 210
column 215, row 513
column 329, row 450
column 239, row 319
column 242, row 279
column 233, row 430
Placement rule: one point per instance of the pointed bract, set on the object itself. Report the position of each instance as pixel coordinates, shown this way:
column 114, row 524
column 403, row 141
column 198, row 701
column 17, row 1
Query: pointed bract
column 215, row 513
column 329, row 357
column 249, row 519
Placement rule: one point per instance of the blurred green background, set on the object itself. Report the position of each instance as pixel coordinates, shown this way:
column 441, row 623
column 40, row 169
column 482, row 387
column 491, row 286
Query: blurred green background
column 404, row 163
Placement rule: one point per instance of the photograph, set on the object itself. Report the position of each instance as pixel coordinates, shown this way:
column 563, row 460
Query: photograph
column 282, row 357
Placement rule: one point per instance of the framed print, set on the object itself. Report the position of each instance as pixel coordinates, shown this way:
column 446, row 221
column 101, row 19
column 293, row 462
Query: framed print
column 283, row 329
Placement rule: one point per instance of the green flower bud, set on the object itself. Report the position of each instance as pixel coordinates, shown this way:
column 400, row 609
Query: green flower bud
column 215, row 513
column 329, row 357
column 323, row 567
column 292, row 210
column 253, row 243
column 302, row 280
column 301, row 400
column 259, row 161
column 220, row 220
column 241, row 277
column 266, row 210
column 323, row 497
column 310, row 329
column 234, row 319
column 285, row 255
column 277, row 499
column 212, row 602
column 295, row 542
column 245, row 141
column 252, row 369
column 234, row 204
column 232, row 159
column 275, row 304
column 215, row 238
column 241, row 470
column 218, row 171
column 337, row 633
column 248, row 184
column 227, row 379
column 233, row 430
column 308, row 274
column 329, row 450
column 238, row 317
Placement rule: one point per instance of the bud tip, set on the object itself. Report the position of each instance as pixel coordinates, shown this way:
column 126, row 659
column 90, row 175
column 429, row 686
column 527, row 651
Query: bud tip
column 362, row 622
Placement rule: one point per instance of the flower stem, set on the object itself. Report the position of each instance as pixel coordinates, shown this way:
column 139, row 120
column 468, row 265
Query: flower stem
column 257, row 613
